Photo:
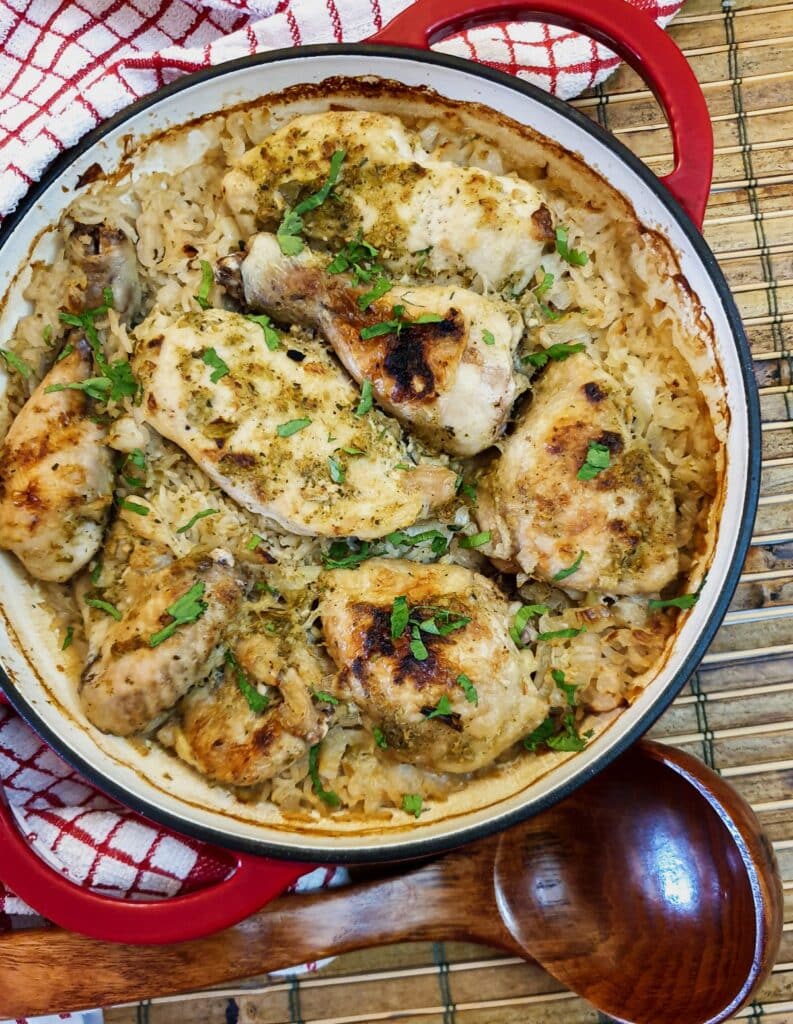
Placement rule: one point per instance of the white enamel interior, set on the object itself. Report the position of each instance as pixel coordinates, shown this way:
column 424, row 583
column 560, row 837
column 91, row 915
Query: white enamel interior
column 248, row 84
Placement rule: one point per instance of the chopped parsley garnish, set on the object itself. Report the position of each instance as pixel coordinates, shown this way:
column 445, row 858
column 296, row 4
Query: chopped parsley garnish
column 104, row 606
column 561, row 634
column 207, row 279
column 338, row 474
column 365, row 403
column 288, row 234
column 12, row 360
column 400, row 614
column 477, row 540
column 544, row 285
column 379, row 738
column 340, row 556
column 187, row 609
column 569, row 740
column 133, row 506
column 468, row 688
column 559, row 351
column 137, row 458
column 568, row 689
column 254, row 542
column 683, row 602
column 199, row 515
column 324, row 697
column 564, row 573
column 95, row 387
column 65, row 352
column 439, row 542
column 357, row 256
column 441, row 710
column 488, row 337
column 412, row 804
column 121, row 381
column 328, row 796
column 539, row 735
column 95, row 573
column 211, row 358
column 468, row 489
column 575, row 257
column 417, row 648
column 68, row 639
column 397, row 324
column 381, row 287
column 597, row 459
column 521, row 620
column 46, row 334
column 352, row 451
column 272, row 338
column 291, row 427
column 257, row 702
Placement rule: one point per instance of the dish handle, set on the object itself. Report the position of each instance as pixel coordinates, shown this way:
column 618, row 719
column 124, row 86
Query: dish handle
column 623, row 28
column 251, row 882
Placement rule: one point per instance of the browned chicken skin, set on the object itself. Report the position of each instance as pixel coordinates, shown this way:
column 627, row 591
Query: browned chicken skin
column 542, row 516
column 131, row 683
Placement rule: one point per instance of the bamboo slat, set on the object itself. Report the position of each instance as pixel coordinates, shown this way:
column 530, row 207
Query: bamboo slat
column 736, row 713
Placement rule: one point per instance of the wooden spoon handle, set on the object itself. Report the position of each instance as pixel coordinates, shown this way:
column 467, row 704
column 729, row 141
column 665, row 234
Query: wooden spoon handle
column 51, row 970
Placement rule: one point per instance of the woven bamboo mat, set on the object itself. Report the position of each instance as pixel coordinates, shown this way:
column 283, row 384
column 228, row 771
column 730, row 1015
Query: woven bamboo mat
column 737, row 711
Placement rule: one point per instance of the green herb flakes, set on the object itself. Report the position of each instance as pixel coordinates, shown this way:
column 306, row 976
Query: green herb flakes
column 561, row 634
column 46, row 334
column 326, row 795
column 338, row 474
column 341, row 556
column 288, row 234
column 356, row 256
column 194, row 519
column 441, row 710
column 133, row 506
column 272, row 338
column 207, row 280
column 324, row 697
column 477, row 540
column 488, row 337
column 540, row 735
column 417, row 648
column 468, row 688
column 15, row 363
column 365, row 403
column 568, row 740
column 380, row 288
column 397, row 324
column 568, row 689
column 564, row 573
column 211, row 358
column 597, row 459
column 399, row 617
column 65, row 352
column 438, row 541
column 575, row 257
column 104, row 606
column 560, row 352
column 187, row 609
column 254, row 542
column 379, row 738
column 521, row 620
column 291, row 427
column 412, row 804
column 545, row 285
column 137, row 458
column 682, row 602
column 68, row 640
column 257, row 702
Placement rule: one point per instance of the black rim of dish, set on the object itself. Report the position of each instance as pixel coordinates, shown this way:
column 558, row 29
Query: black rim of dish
column 382, row 848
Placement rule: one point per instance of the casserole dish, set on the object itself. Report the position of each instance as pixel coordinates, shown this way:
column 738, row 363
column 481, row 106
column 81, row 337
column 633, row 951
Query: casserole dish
column 36, row 685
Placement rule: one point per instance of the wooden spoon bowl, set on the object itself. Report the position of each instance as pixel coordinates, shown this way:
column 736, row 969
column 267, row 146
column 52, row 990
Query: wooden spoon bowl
column 650, row 891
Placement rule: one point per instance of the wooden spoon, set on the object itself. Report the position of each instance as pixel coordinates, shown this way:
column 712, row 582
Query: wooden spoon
column 651, row 891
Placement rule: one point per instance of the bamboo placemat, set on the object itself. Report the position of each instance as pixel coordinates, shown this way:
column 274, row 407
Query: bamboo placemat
column 737, row 712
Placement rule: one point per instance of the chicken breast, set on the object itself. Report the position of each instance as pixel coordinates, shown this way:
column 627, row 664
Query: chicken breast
column 169, row 638
column 472, row 222
column 278, row 430
column 453, row 381
column 618, row 525
column 425, row 653
column 56, row 474
column 243, row 740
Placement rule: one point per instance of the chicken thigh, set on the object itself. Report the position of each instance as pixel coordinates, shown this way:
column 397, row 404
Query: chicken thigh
column 282, row 431
column 551, row 505
column 451, row 380
column 425, row 652
column 56, row 475
column 470, row 221
column 168, row 636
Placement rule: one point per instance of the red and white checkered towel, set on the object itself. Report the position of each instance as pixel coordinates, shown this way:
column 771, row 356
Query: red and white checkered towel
column 65, row 65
